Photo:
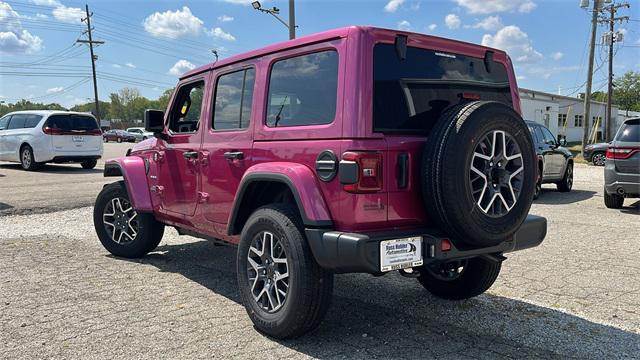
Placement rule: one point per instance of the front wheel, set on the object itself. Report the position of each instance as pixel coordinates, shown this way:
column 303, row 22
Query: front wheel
column 459, row 280
column 285, row 292
column 566, row 183
column 121, row 229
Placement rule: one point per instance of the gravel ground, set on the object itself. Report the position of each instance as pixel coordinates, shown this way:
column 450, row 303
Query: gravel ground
column 47, row 190
column 576, row 296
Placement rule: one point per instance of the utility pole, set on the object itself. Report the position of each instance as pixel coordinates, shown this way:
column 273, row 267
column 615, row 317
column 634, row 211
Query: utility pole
column 93, row 58
column 587, row 96
column 610, row 39
column 292, row 20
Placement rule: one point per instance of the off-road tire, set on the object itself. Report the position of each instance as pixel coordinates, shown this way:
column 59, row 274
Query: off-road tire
column 446, row 188
column 150, row 230
column 89, row 164
column 566, row 183
column 478, row 276
column 29, row 164
column 613, row 201
column 310, row 287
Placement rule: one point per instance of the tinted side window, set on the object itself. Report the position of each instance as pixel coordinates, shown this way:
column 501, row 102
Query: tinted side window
column 17, row 121
column 234, row 96
column 4, row 122
column 32, row 121
column 629, row 131
column 303, row 90
column 185, row 114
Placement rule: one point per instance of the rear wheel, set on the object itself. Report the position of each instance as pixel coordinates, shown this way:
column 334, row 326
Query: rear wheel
column 613, row 201
column 598, row 159
column 538, row 191
column 89, row 164
column 27, row 159
column 479, row 173
column 121, row 229
column 285, row 292
column 566, row 183
column 119, row 140
column 458, row 280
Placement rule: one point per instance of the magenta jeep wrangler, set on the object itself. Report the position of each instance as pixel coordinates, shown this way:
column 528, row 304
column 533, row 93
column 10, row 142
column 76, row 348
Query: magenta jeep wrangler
column 353, row 150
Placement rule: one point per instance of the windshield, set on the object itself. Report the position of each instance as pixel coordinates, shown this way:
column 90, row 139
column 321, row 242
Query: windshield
column 411, row 94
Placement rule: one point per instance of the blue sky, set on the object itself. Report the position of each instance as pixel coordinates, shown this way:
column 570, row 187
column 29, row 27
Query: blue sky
column 147, row 43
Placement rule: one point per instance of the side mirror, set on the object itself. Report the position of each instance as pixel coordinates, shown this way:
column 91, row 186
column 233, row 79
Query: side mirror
column 154, row 121
column 563, row 142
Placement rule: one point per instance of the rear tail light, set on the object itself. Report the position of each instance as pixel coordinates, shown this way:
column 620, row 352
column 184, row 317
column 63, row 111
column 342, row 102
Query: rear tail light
column 366, row 168
column 52, row 131
column 622, row 153
column 96, row 132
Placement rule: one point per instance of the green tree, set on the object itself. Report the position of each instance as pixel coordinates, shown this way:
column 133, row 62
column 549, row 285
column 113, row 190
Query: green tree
column 626, row 91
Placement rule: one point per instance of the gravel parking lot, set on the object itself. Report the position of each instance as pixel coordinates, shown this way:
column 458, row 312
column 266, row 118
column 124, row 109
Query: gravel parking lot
column 62, row 295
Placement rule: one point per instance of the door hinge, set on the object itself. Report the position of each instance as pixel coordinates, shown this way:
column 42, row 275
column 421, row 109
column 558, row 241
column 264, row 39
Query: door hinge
column 158, row 156
column 203, row 197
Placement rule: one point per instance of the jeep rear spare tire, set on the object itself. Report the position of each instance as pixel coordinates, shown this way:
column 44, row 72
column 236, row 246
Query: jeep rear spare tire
column 479, row 175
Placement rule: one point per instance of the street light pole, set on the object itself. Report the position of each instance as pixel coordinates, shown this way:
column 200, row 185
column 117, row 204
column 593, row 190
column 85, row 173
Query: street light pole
column 275, row 11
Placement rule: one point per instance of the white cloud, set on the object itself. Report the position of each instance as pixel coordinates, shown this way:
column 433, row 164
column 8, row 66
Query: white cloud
column 181, row 67
column 130, row 65
column 496, row 6
column 404, row 25
column 489, row 23
column 46, row 2
column 225, row 18
column 520, row 77
column 173, row 24
column 68, row 14
column 432, row 27
column 13, row 38
column 117, row 66
column 240, row 2
column 393, row 5
column 515, row 42
column 55, row 90
column 452, row 21
column 219, row 33
column 557, row 55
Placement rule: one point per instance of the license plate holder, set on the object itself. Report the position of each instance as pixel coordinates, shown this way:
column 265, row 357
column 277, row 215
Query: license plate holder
column 399, row 254
column 77, row 138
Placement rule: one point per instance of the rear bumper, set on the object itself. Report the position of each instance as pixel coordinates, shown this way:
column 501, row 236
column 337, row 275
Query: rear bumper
column 74, row 158
column 360, row 253
column 616, row 182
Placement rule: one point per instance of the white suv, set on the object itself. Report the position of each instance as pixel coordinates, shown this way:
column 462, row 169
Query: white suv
column 37, row 137
column 140, row 133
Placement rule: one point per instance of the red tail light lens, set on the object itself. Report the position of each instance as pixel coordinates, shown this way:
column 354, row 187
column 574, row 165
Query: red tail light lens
column 621, row 153
column 52, row 131
column 96, row 132
column 369, row 170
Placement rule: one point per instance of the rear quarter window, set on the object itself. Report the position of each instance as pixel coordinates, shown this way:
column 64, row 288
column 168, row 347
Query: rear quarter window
column 629, row 131
column 303, row 90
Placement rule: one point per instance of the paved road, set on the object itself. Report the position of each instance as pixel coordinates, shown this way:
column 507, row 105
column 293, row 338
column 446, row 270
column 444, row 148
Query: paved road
column 576, row 296
column 54, row 187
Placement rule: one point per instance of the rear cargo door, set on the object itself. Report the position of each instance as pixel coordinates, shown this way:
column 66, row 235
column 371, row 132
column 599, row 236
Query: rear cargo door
column 73, row 132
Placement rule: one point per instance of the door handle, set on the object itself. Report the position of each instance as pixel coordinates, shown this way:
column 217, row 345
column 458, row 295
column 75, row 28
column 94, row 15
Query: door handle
column 234, row 155
column 190, row 155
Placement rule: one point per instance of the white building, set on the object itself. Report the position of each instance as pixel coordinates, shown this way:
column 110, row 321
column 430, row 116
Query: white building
column 563, row 115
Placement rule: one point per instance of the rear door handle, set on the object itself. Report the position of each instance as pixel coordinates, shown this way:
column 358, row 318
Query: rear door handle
column 234, row 155
column 190, row 155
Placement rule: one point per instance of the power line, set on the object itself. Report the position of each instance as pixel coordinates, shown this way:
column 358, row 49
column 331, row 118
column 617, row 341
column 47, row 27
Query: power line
column 91, row 42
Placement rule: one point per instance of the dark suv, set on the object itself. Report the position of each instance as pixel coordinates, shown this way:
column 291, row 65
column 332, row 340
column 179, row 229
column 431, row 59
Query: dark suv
column 555, row 162
column 622, row 168
column 353, row 150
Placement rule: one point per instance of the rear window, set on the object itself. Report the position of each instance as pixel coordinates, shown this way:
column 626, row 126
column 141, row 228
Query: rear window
column 411, row 94
column 72, row 122
column 629, row 131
